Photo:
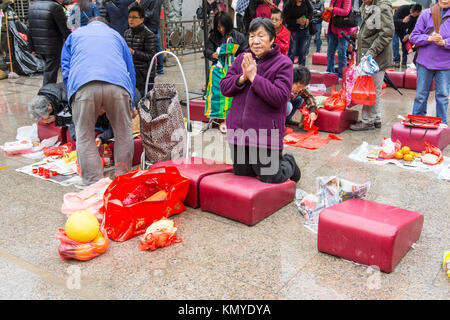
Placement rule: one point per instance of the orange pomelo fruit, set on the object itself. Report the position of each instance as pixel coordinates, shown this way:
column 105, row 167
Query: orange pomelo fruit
column 82, row 226
column 100, row 243
column 405, row 149
column 399, row 155
column 408, row 157
column 84, row 252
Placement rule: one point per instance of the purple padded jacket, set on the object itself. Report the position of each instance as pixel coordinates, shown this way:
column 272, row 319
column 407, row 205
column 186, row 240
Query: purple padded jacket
column 431, row 55
column 258, row 112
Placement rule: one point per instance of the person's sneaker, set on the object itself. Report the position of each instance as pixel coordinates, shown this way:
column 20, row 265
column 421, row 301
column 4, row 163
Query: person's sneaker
column 297, row 174
column 377, row 125
column 403, row 64
column 397, row 64
column 161, row 71
column 361, row 126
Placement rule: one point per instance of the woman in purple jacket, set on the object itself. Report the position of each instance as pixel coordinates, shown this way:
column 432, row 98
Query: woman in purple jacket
column 260, row 82
column 433, row 60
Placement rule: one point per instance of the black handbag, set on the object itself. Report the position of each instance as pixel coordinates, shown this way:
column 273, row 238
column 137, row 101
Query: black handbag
column 349, row 21
column 312, row 29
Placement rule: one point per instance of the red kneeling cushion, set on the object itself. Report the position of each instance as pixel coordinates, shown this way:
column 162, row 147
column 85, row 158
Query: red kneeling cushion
column 138, row 148
column 368, row 232
column 245, row 199
column 197, row 110
column 415, row 137
column 49, row 130
column 195, row 169
column 335, row 121
column 328, row 79
column 397, row 77
column 319, row 58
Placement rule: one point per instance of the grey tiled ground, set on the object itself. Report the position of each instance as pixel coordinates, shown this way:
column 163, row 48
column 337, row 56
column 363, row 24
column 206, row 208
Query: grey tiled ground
column 220, row 258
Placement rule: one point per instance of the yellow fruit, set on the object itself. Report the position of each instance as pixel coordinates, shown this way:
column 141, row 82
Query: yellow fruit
column 82, row 226
column 399, row 155
column 412, row 153
column 405, row 149
column 408, row 157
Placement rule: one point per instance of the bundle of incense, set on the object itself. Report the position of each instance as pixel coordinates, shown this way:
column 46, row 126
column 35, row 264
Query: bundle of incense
column 436, row 14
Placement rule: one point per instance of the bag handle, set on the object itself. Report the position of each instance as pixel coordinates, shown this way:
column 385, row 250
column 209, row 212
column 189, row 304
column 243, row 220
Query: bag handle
column 115, row 167
column 410, row 134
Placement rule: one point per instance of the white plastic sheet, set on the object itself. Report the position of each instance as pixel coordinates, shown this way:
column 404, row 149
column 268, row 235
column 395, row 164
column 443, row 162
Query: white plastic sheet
column 364, row 151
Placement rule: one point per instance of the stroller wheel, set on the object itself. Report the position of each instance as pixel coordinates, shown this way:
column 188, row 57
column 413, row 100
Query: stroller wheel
column 223, row 127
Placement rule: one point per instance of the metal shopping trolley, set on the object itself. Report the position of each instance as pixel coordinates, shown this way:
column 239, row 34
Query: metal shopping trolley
column 164, row 133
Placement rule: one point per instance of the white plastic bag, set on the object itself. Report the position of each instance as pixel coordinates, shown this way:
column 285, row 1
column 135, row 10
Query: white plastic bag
column 28, row 133
column 367, row 67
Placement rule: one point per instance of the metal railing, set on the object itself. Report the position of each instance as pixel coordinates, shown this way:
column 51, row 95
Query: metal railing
column 184, row 37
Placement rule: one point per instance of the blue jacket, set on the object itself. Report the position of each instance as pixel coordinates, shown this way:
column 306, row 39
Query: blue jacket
column 90, row 13
column 97, row 53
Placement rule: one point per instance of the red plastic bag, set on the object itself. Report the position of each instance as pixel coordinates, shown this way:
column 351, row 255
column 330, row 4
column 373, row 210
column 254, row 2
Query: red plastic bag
column 364, row 91
column 337, row 100
column 128, row 207
column 389, row 148
column 57, row 151
column 159, row 234
column 70, row 249
column 306, row 125
column 437, row 158
column 326, row 16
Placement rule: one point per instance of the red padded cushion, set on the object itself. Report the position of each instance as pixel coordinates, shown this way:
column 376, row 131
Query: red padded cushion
column 320, row 58
column 195, row 169
column 328, row 79
column 137, row 143
column 245, row 199
column 415, row 137
column 397, row 77
column 197, row 110
column 46, row 131
column 368, row 232
column 335, row 121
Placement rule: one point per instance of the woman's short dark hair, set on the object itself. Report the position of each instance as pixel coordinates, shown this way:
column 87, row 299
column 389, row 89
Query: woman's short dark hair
column 276, row 11
column 266, row 24
column 139, row 10
column 302, row 75
column 225, row 20
column 416, row 7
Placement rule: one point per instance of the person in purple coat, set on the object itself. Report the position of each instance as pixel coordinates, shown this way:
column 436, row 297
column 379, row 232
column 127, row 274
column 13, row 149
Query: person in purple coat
column 433, row 61
column 260, row 82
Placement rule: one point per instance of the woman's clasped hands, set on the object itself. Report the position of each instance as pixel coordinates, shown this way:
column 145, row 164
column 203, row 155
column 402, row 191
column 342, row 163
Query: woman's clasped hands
column 249, row 68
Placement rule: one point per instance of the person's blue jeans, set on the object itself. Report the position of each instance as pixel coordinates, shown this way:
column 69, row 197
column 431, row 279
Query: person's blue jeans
column 297, row 47
column 292, row 106
column 317, row 39
column 160, row 58
column 395, row 47
column 339, row 44
column 442, row 85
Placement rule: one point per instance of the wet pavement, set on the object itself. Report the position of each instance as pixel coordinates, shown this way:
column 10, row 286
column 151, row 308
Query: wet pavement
column 220, row 258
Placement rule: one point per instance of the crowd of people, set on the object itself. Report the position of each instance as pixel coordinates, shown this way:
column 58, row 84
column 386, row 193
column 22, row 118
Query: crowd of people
column 104, row 63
